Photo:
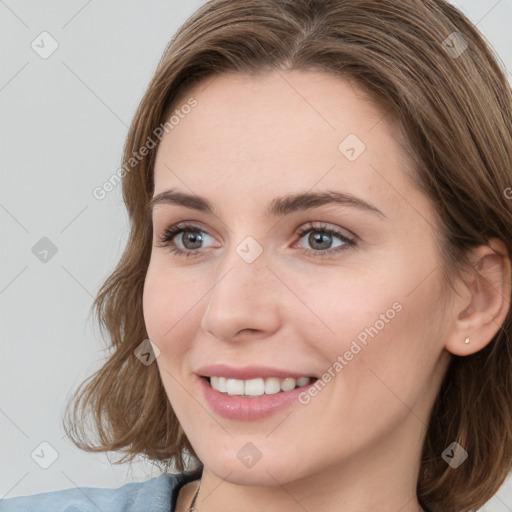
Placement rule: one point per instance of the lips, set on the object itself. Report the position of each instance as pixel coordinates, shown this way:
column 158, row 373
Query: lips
column 247, row 408
column 243, row 407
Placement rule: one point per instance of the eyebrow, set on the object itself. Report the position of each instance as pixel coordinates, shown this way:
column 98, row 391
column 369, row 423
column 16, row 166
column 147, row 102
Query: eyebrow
column 279, row 206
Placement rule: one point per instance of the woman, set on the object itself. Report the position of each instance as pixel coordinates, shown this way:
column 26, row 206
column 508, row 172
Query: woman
column 313, row 308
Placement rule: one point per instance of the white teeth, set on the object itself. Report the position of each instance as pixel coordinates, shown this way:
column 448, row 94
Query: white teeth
column 254, row 387
column 234, row 387
column 219, row 383
column 302, row 381
column 272, row 385
column 288, row 384
column 257, row 387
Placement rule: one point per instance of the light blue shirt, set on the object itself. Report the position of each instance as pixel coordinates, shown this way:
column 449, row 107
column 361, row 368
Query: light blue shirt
column 158, row 494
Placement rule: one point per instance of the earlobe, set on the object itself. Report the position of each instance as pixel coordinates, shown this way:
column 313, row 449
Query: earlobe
column 485, row 301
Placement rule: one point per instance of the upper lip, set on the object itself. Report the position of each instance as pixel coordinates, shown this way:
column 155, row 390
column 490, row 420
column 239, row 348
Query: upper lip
column 246, row 372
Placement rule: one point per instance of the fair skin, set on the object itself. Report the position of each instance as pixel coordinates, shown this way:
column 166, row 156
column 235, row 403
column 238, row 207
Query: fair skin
column 356, row 445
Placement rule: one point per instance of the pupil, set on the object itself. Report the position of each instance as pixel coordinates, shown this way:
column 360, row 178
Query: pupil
column 320, row 238
column 192, row 237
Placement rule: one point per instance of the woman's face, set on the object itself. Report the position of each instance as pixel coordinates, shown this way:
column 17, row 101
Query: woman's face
column 346, row 290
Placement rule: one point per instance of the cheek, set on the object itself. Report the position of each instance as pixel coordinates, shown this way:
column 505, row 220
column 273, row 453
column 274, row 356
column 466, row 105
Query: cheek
column 349, row 305
column 153, row 305
column 161, row 306
column 388, row 319
column 172, row 303
column 381, row 360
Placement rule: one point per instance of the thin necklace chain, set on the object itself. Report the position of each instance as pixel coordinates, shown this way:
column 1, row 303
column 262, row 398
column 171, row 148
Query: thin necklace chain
column 192, row 505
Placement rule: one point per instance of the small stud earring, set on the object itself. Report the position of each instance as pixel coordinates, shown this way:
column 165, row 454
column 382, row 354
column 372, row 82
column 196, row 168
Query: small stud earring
column 466, row 341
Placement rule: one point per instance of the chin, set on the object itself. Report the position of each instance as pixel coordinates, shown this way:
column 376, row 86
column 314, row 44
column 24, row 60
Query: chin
column 269, row 471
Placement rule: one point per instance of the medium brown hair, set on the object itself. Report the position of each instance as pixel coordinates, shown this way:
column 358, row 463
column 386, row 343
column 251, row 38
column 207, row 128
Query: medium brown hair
column 455, row 114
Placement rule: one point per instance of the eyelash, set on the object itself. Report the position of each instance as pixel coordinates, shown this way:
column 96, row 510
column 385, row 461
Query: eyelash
column 172, row 231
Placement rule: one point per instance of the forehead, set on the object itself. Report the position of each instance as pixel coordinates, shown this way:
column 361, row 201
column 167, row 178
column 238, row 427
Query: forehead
column 273, row 112
column 282, row 131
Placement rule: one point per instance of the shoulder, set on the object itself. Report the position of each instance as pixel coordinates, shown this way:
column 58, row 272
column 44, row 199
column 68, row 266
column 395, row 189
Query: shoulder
column 157, row 494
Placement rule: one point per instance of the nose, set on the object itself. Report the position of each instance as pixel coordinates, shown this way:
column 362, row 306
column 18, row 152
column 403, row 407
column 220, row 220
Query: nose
column 244, row 301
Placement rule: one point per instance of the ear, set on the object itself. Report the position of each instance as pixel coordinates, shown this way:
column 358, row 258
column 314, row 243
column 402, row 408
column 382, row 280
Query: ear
column 482, row 306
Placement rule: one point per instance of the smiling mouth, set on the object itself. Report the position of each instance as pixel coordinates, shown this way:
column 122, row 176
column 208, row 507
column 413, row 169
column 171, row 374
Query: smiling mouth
column 258, row 386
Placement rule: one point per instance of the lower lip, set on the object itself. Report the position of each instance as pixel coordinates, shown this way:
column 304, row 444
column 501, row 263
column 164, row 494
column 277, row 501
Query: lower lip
column 248, row 408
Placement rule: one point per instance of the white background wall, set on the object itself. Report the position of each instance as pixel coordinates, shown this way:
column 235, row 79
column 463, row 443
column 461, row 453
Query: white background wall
column 62, row 127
